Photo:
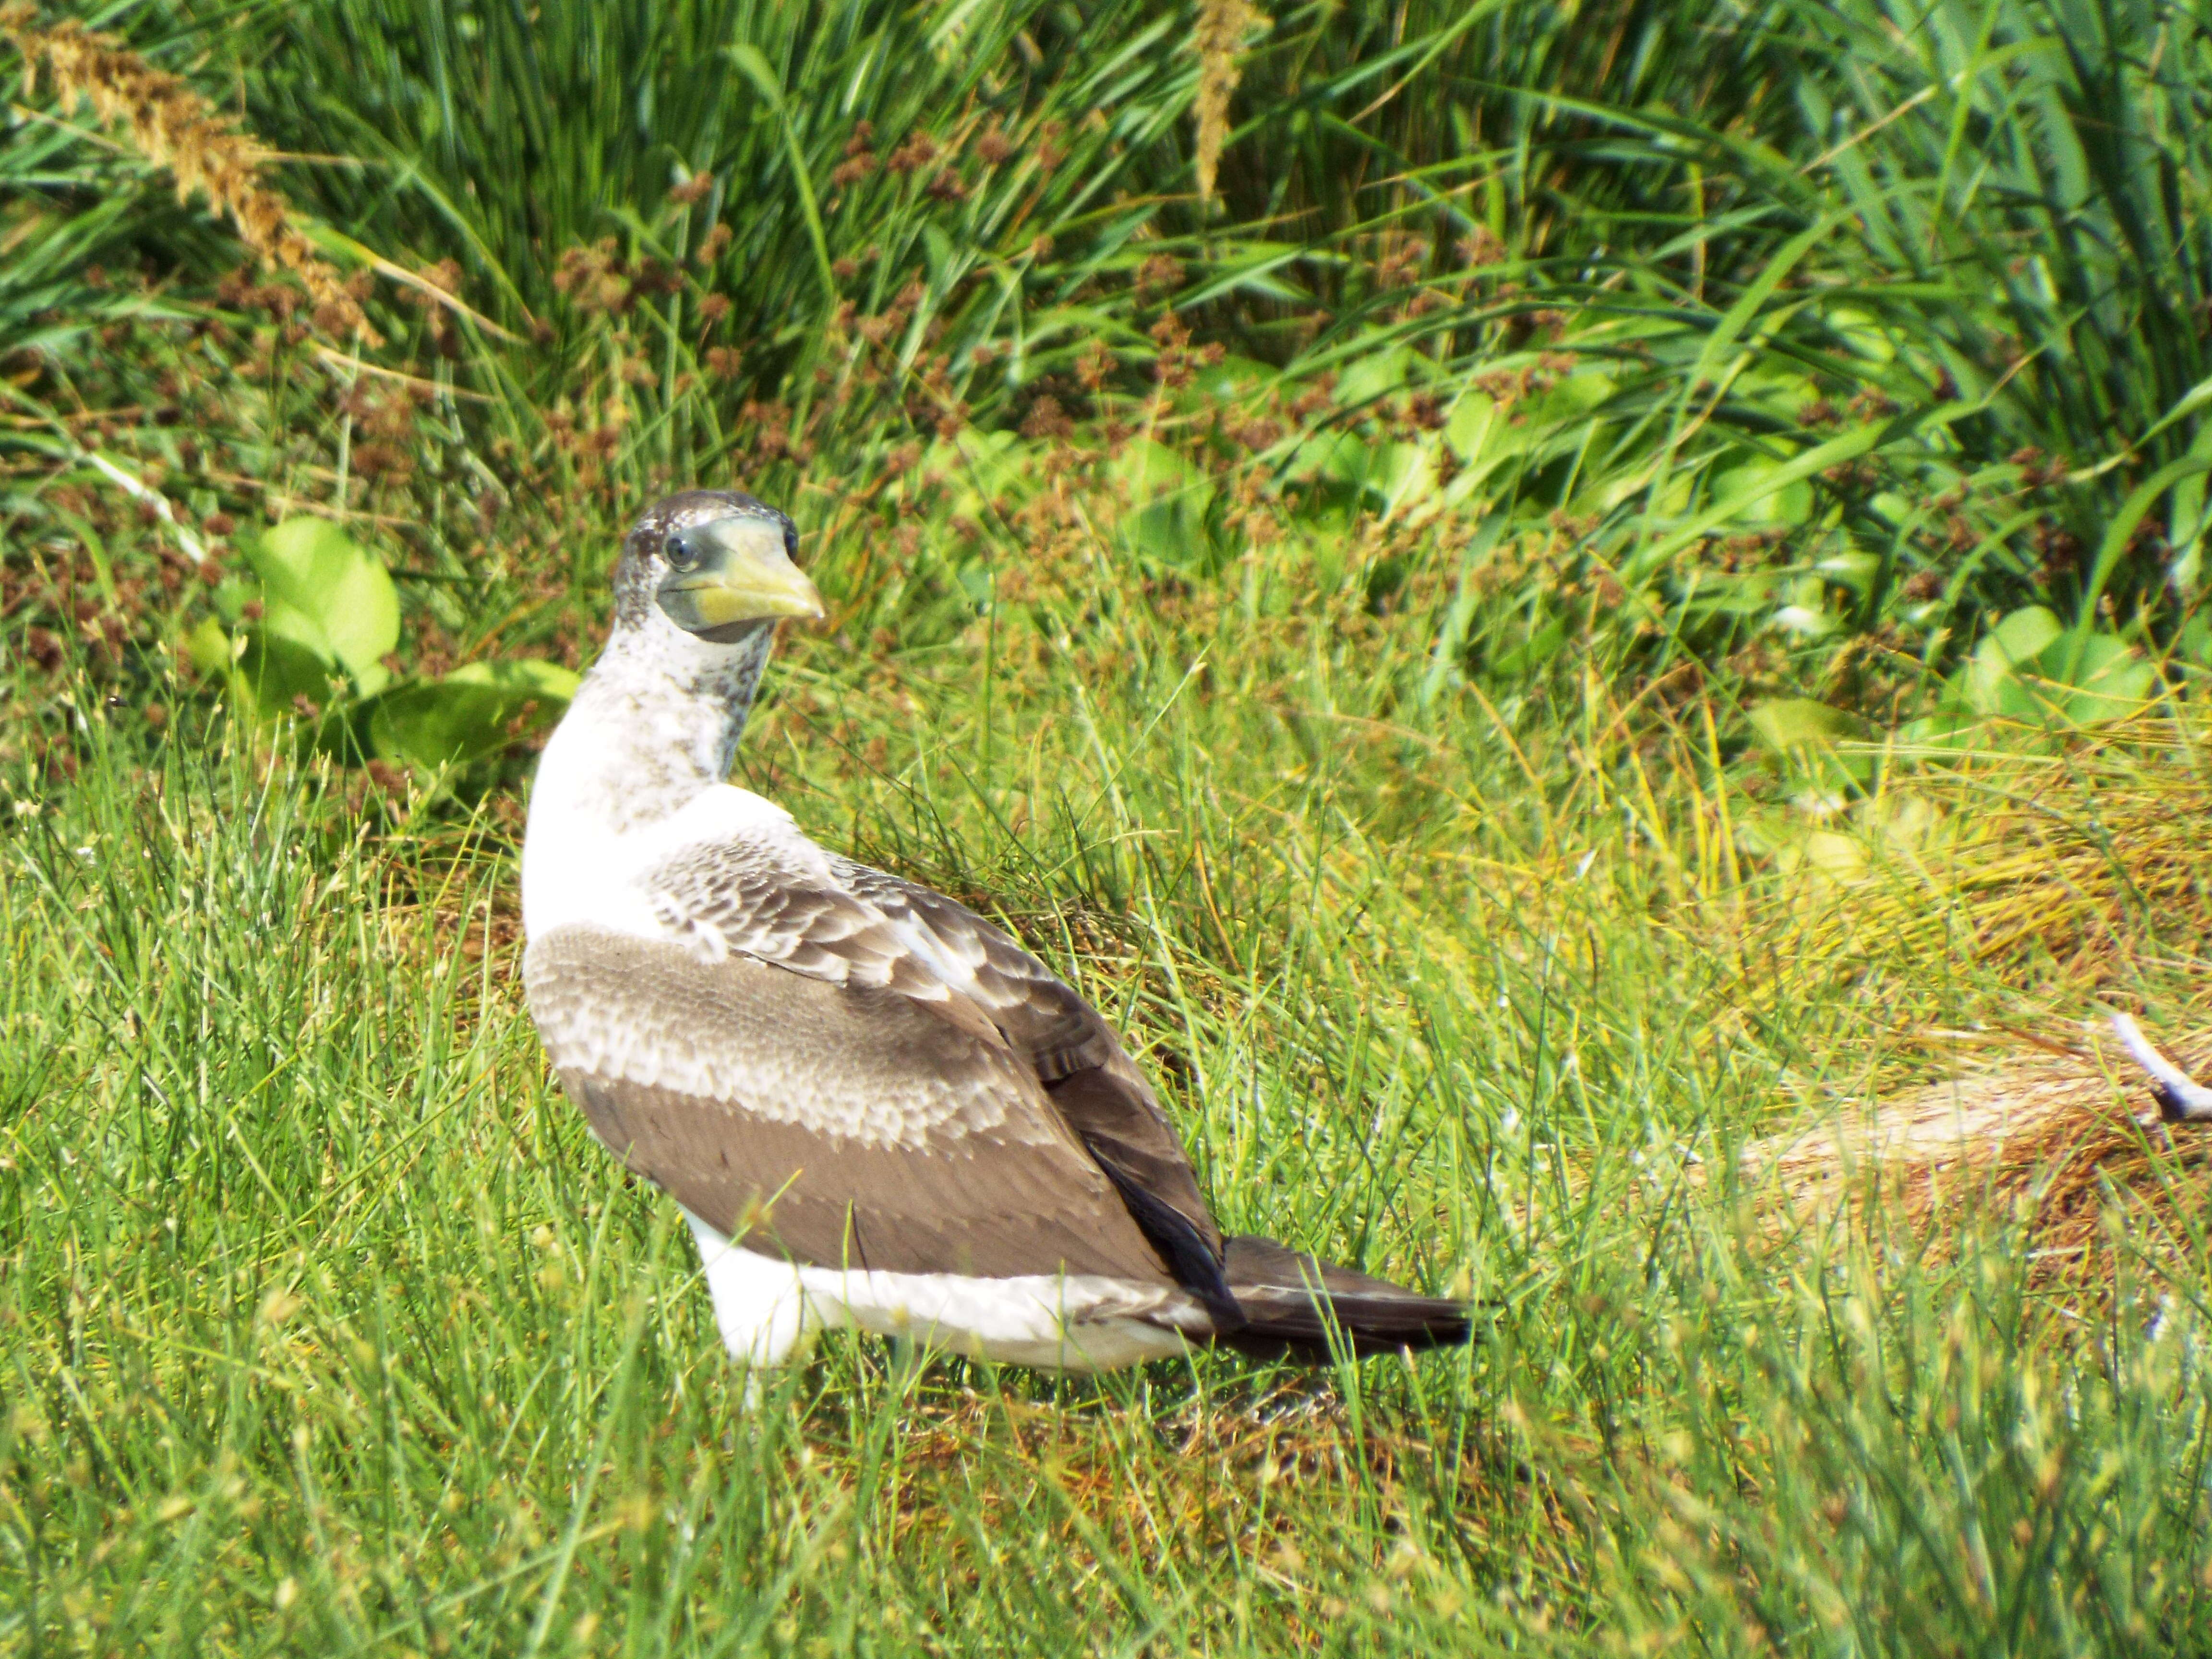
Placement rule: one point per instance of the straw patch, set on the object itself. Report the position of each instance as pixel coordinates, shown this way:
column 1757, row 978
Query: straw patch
column 2057, row 1137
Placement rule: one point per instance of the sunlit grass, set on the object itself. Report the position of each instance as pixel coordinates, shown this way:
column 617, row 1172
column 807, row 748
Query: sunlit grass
column 331, row 1325
column 1328, row 628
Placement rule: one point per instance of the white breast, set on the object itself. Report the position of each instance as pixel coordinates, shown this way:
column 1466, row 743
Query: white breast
column 584, row 860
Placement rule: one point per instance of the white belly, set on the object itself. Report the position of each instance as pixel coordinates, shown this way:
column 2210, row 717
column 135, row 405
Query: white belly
column 768, row 1308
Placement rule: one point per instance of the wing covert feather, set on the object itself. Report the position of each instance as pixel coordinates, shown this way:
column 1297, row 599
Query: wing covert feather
column 846, row 924
column 1092, row 1081
column 841, row 1125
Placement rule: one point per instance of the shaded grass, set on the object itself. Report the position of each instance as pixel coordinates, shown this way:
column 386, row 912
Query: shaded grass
column 1820, row 335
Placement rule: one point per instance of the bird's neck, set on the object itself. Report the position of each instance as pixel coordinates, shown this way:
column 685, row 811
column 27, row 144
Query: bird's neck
column 654, row 725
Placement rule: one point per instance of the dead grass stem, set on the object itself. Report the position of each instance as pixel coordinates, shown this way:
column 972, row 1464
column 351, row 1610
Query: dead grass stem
column 2071, row 1142
column 204, row 151
column 1218, row 40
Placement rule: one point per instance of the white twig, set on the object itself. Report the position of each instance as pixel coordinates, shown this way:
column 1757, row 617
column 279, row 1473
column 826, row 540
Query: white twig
column 2181, row 1097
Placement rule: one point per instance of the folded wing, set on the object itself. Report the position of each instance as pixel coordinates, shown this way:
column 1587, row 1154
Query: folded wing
column 835, row 1125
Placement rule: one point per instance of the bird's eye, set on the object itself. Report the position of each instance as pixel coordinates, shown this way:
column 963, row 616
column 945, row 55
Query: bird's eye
column 684, row 550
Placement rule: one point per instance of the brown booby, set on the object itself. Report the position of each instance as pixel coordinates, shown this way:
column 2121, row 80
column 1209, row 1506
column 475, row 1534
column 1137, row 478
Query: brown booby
column 875, row 1108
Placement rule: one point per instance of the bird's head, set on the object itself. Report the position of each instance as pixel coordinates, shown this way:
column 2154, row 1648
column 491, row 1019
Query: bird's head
column 720, row 565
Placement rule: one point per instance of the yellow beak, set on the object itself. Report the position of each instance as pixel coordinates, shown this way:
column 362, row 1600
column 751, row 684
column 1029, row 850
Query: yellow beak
column 743, row 575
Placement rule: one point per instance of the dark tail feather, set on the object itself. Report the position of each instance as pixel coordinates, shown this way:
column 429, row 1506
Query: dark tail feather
column 1296, row 1306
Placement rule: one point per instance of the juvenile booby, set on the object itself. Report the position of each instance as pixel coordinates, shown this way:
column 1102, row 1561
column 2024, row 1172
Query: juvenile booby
column 875, row 1108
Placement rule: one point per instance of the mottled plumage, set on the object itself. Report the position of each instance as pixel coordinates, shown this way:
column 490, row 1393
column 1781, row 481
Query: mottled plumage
column 875, row 1108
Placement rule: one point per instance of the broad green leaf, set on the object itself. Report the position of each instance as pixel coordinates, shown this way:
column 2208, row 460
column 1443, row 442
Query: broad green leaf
column 1167, row 521
column 1401, row 474
column 1333, row 457
column 2020, row 638
column 1171, row 530
column 268, row 669
column 1387, row 474
column 1375, row 375
column 296, row 627
column 476, row 710
column 1787, row 723
column 2108, row 681
column 324, row 595
column 2194, row 641
column 208, row 648
column 1768, row 497
column 1150, row 469
column 1804, row 735
column 1469, row 426
column 1585, row 390
column 1993, row 682
column 1233, row 379
column 275, row 672
column 2028, row 668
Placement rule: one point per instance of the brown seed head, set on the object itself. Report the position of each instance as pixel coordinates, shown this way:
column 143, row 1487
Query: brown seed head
column 204, row 151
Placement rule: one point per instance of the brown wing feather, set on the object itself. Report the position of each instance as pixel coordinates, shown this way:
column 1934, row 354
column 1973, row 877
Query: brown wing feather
column 1040, row 1014
column 869, row 929
column 1090, row 1077
column 841, row 1126
column 739, row 900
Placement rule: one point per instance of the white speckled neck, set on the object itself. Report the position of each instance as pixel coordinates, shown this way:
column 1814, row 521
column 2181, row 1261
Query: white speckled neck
column 654, row 725
column 664, row 712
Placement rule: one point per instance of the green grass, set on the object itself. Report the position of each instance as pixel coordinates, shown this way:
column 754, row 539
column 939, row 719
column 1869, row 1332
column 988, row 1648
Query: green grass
column 1376, row 714
column 329, row 1327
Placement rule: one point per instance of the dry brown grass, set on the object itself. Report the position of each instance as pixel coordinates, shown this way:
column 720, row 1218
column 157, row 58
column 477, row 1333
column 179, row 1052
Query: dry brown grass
column 2061, row 862
column 1948, row 937
column 206, row 151
column 2072, row 1139
column 1219, row 39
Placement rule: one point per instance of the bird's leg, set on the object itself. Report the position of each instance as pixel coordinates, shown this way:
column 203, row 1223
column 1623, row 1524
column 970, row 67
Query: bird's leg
column 761, row 1307
column 2181, row 1098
